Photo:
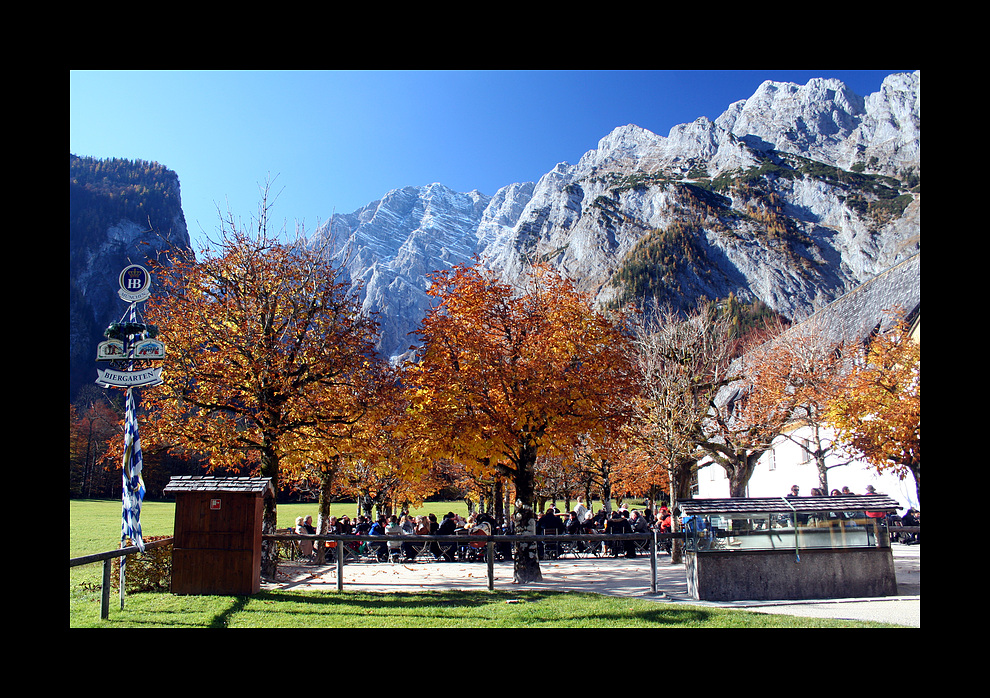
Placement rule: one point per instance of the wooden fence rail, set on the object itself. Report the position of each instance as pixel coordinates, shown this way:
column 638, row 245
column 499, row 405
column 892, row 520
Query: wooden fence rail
column 105, row 558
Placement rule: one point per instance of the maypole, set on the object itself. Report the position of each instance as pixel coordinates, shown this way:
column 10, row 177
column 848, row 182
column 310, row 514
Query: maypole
column 129, row 346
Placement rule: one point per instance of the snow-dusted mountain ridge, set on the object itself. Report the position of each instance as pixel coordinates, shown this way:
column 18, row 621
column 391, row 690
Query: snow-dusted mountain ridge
column 793, row 196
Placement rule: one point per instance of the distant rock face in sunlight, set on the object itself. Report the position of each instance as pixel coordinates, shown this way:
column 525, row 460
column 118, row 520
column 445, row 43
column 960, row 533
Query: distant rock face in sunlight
column 793, row 197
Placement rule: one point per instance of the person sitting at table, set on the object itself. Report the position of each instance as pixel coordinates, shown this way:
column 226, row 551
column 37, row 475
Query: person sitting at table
column 638, row 522
column 407, row 527
column 549, row 524
column 331, row 545
column 599, row 520
column 393, row 529
column 665, row 525
column 305, row 546
column 477, row 525
column 618, row 524
column 448, row 526
column 378, row 529
column 363, row 526
column 484, row 523
column 345, row 527
column 665, row 520
column 485, row 517
column 421, row 527
column 573, row 526
column 909, row 519
column 308, row 525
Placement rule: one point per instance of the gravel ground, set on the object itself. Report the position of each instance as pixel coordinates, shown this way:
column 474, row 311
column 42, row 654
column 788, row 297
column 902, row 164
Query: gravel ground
column 613, row 576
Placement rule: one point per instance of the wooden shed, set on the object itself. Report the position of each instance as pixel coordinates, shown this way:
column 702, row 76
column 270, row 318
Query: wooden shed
column 217, row 536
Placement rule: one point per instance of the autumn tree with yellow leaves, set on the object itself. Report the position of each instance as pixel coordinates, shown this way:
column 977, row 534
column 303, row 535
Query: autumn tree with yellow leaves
column 793, row 379
column 267, row 358
column 878, row 411
column 505, row 375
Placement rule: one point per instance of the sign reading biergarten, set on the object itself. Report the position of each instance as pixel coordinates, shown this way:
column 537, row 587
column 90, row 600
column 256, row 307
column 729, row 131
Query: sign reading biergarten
column 130, row 343
column 127, row 359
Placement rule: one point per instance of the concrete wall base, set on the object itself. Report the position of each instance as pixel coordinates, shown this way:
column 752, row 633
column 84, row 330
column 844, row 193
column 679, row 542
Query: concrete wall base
column 777, row 574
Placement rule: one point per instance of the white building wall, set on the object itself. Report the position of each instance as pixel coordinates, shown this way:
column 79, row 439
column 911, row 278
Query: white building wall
column 788, row 464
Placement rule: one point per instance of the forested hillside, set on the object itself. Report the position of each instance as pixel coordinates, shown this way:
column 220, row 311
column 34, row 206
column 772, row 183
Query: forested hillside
column 120, row 212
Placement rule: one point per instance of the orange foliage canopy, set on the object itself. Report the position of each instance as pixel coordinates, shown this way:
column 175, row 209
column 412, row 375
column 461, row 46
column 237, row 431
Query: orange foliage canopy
column 267, row 356
column 879, row 412
column 504, row 376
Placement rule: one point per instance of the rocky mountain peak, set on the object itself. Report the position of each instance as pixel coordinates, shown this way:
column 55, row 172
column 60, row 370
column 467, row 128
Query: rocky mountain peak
column 788, row 197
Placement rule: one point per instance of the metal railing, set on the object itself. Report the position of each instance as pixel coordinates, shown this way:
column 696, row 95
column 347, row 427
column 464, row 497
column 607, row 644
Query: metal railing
column 489, row 540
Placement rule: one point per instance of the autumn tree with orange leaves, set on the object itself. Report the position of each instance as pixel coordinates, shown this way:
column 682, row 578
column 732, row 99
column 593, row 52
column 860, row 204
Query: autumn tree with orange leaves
column 383, row 472
column 267, row 356
column 741, row 425
column 794, row 377
column 878, row 411
column 93, row 424
column 330, row 456
column 505, row 375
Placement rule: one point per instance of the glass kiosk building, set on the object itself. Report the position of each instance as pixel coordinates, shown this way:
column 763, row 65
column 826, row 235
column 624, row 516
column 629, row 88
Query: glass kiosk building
column 788, row 547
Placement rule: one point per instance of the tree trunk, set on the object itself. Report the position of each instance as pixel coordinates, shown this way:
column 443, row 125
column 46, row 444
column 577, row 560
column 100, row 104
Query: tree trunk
column 741, row 471
column 323, row 511
column 497, row 497
column 914, row 465
column 526, row 562
column 680, row 490
column 673, row 477
column 737, row 484
column 607, row 492
column 269, row 519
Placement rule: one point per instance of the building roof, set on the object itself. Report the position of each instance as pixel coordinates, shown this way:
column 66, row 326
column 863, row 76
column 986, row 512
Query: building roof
column 786, row 505
column 873, row 305
column 856, row 316
column 195, row 483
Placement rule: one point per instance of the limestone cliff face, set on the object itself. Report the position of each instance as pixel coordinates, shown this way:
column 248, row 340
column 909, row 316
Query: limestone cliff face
column 793, row 196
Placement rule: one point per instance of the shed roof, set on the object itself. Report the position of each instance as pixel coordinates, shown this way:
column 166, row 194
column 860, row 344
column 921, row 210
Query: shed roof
column 783, row 505
column 196, row 483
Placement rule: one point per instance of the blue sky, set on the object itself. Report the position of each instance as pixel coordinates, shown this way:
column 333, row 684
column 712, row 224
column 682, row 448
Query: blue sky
column 338, row 140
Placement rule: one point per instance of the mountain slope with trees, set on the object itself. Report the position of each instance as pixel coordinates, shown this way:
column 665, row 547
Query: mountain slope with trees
column 120, row 212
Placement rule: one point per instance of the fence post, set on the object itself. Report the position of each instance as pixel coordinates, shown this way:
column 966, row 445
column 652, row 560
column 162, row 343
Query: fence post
column 340, row 565
column 653, row 562
column 490, row 559
column 105, row 590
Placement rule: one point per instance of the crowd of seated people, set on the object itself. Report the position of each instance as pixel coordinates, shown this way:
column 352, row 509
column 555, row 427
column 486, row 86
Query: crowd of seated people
column 581, row 520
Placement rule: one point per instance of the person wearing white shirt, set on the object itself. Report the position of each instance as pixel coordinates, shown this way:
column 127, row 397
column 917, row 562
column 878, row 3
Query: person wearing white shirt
column 583, row 513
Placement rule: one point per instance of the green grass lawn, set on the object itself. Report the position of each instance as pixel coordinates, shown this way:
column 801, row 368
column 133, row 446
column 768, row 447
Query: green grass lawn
column 440, row 609
column 94, row 526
